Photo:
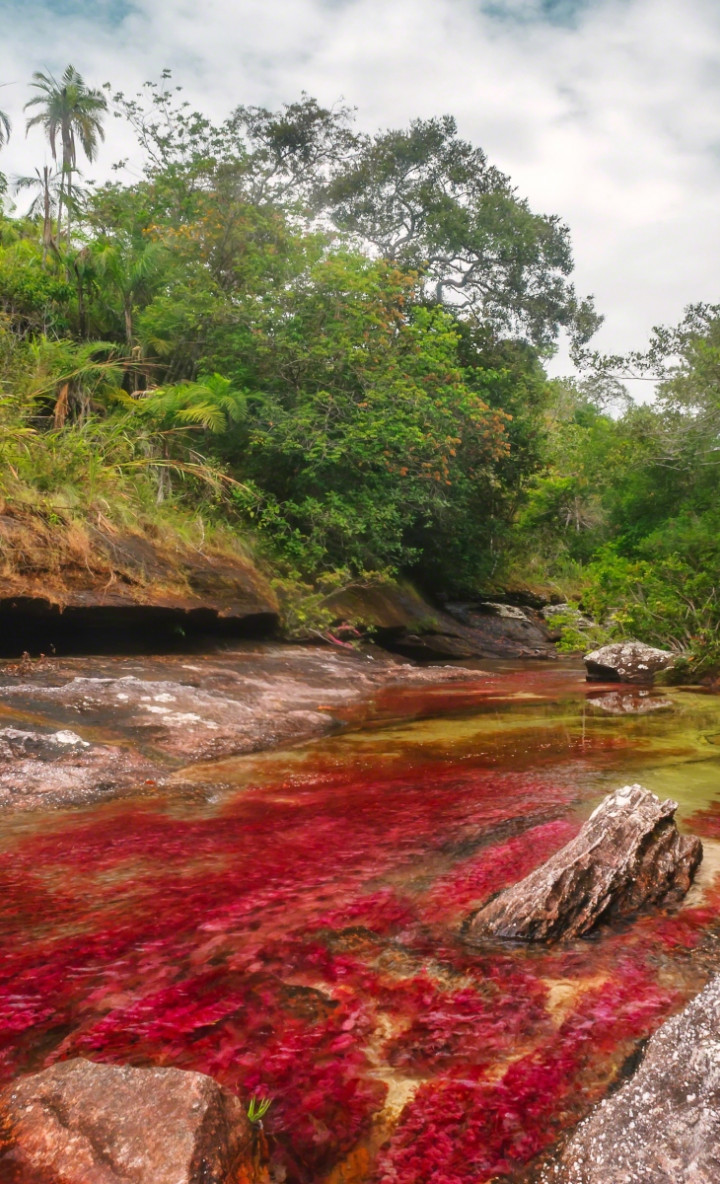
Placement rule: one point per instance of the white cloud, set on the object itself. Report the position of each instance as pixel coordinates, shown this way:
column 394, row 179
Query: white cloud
column 610, row 119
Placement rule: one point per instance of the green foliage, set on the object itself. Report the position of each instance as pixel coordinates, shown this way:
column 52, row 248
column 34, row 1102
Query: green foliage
column 211, row 403
column 332, row 342
column 258, row 1108
column 632, row 501
column 245, row 333
column 367, row 437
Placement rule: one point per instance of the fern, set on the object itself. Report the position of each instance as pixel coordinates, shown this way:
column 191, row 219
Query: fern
column 211, row 403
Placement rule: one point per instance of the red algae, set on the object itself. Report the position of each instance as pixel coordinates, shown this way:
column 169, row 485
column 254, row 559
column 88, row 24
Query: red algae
column 304, row 944
column 465, row 1128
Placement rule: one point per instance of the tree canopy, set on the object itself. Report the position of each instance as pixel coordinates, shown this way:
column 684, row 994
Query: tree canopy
column 332, row 343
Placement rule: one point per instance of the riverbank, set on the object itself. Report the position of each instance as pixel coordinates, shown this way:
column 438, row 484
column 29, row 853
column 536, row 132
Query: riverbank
column 78, row 730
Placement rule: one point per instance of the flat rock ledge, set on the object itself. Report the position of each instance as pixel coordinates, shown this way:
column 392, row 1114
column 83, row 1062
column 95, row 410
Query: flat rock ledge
column 627, row 856
column 79, row 1122
column 627, row 661
column 663, row 1127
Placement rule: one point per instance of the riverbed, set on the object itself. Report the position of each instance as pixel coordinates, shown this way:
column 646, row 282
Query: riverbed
column 292, row 921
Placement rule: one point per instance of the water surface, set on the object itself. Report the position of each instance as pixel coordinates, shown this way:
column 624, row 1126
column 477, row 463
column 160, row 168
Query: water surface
column 292, row 923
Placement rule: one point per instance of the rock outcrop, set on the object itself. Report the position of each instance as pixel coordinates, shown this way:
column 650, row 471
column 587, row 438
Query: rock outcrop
column 67, row 580
column 404, row 622
column 125, row 725
column 627, row 661
column 83, row 1123
column 40, row 767
column 663, row 1127
column 628, row 855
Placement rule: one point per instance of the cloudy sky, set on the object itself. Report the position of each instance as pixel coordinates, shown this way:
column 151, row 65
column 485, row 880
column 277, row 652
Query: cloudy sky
column 606, row 112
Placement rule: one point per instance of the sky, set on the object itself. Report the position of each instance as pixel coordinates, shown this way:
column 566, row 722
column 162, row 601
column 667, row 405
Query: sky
column 605, row 112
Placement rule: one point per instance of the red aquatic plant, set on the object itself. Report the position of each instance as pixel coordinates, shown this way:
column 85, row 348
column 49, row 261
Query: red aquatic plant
column 465, row 1128
column 308, row 934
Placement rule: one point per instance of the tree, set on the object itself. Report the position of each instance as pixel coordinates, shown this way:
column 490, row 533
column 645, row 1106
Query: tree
column 290, row 153
column 367, row 447
column 47, row 185
column 431, row 201
column 68, row 112
column 127, row 270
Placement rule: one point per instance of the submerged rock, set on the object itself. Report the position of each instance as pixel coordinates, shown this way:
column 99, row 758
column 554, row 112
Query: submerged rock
column 663, row 1127
column 628, row 854
column 40, row 768
column 627, row 661
column 83, row 1123
column 630, row 702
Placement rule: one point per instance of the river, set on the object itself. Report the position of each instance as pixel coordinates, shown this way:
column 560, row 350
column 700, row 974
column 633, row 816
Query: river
column 291, row 922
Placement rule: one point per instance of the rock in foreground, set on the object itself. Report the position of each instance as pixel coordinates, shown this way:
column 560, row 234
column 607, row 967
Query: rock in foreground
column 628, row 854
column 627, row 661
column 83, row 1123
column 663, row 1127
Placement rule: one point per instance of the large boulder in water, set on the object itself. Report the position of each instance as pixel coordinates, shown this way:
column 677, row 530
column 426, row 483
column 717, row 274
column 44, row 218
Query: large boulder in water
column 628, row 854
column 83, row 1123
column 663, row 1127
column 627, row 661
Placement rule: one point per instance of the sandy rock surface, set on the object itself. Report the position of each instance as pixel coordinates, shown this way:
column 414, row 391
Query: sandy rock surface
column 83, row 1123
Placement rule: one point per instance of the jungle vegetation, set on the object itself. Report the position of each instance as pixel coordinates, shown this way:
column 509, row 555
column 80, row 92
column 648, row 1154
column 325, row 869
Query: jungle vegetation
column 331, row 345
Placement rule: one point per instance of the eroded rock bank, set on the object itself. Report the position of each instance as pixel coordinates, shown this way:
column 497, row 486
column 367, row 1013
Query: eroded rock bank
column 77, row 730
column 663, row 1127
column 628, row 855
column 77, row 587
column 407, row 623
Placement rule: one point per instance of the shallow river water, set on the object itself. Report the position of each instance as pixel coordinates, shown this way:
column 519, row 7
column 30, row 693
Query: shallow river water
column 292, row 923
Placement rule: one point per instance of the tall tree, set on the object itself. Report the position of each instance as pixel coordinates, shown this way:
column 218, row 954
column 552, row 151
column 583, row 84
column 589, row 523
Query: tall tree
column 69, row 112
column 431, row 201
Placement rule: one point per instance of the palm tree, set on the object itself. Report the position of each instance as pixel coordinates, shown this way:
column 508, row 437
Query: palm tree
column 4, row 129
column 69, row 112
column 129, row 269
column 47, row 183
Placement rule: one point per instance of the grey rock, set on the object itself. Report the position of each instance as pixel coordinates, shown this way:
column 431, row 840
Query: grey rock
column 627, row 661
column 663, row 1127
column 628, row 855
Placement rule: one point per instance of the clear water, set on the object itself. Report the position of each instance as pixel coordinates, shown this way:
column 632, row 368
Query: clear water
column 292, row 923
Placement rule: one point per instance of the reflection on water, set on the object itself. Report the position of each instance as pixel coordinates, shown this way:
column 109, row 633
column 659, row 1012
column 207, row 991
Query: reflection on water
column 292, row 924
